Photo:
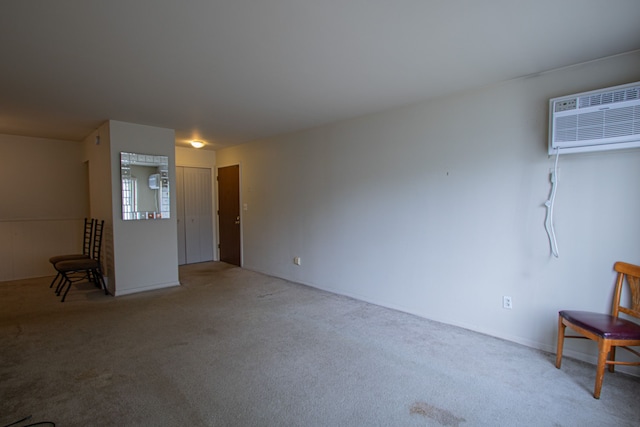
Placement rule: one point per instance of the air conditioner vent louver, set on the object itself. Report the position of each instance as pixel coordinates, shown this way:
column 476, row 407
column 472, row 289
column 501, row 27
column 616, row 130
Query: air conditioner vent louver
column 609, row 97
column 597, row 120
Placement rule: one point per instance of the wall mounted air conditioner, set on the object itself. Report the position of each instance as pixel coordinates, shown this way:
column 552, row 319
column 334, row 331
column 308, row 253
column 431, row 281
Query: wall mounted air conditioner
column 604, row 119
column 154, row 181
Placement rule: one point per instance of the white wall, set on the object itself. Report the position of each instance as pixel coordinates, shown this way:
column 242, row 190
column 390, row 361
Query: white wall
column 145, row 253
column 43, row 200
column 97, row 153
column 195, row 158
column 438, row 209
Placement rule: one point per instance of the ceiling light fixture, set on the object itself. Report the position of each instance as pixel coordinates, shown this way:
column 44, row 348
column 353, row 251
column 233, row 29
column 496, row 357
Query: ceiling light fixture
column 197, row 144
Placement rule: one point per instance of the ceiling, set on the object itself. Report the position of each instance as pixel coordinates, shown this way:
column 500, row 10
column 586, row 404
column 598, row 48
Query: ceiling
column 231, row 71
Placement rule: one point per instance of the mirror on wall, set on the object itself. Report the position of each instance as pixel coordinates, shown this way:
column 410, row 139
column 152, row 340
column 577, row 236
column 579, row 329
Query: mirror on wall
column 145, row 186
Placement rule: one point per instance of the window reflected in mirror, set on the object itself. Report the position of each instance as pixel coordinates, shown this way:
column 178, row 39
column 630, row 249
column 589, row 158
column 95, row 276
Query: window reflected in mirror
column 145, row 186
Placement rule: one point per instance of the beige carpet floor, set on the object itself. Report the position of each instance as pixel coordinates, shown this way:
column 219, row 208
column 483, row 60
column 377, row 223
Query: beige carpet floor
column 231, row 347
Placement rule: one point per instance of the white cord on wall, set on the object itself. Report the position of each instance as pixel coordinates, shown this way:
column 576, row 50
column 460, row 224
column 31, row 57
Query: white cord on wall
column 548, row 223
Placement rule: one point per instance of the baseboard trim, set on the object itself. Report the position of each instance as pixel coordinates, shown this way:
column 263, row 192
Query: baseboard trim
column 121, row 292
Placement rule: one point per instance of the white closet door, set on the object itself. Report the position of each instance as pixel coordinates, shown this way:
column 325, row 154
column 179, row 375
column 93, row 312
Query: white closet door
column 198, row 215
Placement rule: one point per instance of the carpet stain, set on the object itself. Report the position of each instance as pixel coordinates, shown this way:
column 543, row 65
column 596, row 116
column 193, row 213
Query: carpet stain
column 442, row 416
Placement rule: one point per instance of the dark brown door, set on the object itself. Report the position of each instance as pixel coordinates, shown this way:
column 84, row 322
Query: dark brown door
column 229, row 213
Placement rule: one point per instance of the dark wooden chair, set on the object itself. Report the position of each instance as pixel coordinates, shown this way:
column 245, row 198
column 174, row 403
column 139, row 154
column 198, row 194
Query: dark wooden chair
column 608, row 330
column 86, row 249
column 84, row 269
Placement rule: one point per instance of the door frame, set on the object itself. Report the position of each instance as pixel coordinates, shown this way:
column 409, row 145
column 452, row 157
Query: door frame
column 214, row 199
column 240, row 209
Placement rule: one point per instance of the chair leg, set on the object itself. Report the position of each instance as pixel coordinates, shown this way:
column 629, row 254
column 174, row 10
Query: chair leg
column 65, row 281
column 61, row 283
column 94, row 278
column 99, row 281
column 93, row 275
column 66, row 292
column 603, row 353
column 612, row 357
column 104, row 285
column 561, row 328
column 55, row 279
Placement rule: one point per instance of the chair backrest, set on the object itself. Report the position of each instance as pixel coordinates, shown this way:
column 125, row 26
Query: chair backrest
column 88, row 235
column 631, row 273
column 97, row 239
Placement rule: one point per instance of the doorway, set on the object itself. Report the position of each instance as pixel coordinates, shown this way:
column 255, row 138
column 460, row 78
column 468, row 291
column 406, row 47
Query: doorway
column 194, row 215
column 229, row 214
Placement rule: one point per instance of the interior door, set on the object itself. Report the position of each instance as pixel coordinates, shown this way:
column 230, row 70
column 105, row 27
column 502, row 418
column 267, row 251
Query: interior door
column 195, row 215
column 198, row 213
column 182, row 249
column 229, row 213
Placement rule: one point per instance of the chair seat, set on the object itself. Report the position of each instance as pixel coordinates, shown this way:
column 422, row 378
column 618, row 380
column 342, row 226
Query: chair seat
column 77, row 265
column 603, row 325
column 59, row 258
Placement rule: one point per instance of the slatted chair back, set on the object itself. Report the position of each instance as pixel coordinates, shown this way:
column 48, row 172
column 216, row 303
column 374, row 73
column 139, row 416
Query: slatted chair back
column 98, row 231
column 88, row 236
column 629, row 274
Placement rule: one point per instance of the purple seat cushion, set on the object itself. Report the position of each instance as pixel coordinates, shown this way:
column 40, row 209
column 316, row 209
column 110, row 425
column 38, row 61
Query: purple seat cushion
column 603, row 325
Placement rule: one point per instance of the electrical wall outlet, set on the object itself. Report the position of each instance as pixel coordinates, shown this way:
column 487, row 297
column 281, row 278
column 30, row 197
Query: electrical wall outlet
column 297, row 260
column 506, row 302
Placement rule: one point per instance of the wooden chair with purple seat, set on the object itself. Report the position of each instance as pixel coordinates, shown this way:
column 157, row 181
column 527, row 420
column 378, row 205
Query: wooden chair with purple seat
column 608, row 330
